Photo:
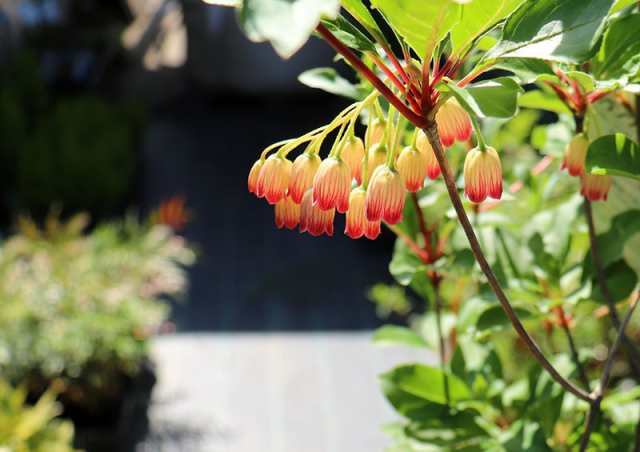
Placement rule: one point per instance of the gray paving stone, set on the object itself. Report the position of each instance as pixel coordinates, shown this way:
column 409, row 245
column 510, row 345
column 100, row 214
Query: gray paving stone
column 271, row 392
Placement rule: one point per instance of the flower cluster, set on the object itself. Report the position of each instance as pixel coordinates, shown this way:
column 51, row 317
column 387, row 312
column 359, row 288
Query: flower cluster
column 365, row 179
column 593, row 187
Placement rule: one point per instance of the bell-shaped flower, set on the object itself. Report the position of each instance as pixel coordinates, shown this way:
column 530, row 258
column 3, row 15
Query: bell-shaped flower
column 375, row 132
column 453, row 122
column 332, row 185
column 304, row 169
column 432, row 166
column 595, row 187
column 252, row 181
column 377, row 156
column 385, row 196
column 352, row 154
column 356, row 224
column 482, row 175
column 314, row 220
column 273, row 179
column 412, row 167
column 287, row 213
column 575, row 155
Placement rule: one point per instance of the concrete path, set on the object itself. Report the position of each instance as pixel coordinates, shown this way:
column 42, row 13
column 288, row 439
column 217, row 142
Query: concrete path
column 293, row 392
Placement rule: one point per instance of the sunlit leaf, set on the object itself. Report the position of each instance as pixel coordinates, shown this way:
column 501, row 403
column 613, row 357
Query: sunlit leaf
column 616, row 154
column 327, row 79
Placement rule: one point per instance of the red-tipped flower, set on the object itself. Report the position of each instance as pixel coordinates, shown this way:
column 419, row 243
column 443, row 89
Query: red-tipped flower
column 303, row 171
column 595, row 187
column 575, row 155
column 423, row 145
column 352, row 154
column 482, row 175
column 252, row 181
column 314, row 220
column 332, row 185
column 375, row 132
column 273, row 179
column 377, row 155
column 385, row 196
column 357, row 224
column 287, row 213
column 412, row 166
column 453, row 122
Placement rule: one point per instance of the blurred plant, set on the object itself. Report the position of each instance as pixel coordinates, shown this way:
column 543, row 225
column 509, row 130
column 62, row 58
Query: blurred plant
column 81, row 308
column 173, row 213
column 32, row 428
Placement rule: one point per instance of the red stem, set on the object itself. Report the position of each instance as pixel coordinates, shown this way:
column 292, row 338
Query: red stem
column 402, row 72
column 391, row 76
column 371, row 76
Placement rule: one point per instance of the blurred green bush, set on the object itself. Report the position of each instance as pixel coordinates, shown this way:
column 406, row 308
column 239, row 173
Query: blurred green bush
column 79, row 309
column 78, row 152
column 32, row 428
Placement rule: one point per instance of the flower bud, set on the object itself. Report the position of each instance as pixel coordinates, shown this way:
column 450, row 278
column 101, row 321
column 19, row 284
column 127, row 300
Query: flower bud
column 313, row 220
column 412, row 167
column 375, row 132
column 273, row 179
column 575, row 155
column 303, row 171
column 332, row 185
column 453, row 122
column 252, row 181
column 287, row 213
column 377, row 155
column 482, row 175
column 352, row 154
column 423, row 145
column 356, row 224
column 595, row 187
column 385, row 196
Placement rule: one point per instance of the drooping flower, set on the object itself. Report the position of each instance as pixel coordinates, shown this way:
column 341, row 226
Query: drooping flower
column 287, row 213
column 352, row 154
column 273, row 179
column 595, row 187
column 375, row 132
column 423, row 145
column 252, row 181
column 332, row 185
column 385, row 196
column 304, row 168
column 482, row 175
column 453, row 122
column 575, row 155
column 377, row 155
column 412, row 167
column 314, row 220
column 356, row 224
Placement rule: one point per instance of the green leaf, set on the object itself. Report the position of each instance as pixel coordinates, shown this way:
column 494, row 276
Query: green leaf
column 564, row 31
column 543, row 100
column 421, row 23
column 398, row 335
column 611, row 243
column 404, row 264
column 425, row 383
column 615, row 154
column 497, row 98
column 327, row 79
column 287, row 24
column 349, row 34
column 621, row 280
column 358, row 10
column 494, row 318
column 478, row 17
column 619, row 54
column 527, row 70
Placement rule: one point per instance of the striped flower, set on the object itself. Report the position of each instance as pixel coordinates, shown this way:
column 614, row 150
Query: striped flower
column 412, row 166
column 332, row 185
column 314, row 220
column 304, row 168
column 377, row 155
column 432, row 166
column 252, row 181
column 575, row 155
column 453, row 122
column 352, row 154
column 595, row 187
column 356, row 224
column 287, row 213
column 385, row 196
column 273, row 179
column 482, row 175
column 375, row 132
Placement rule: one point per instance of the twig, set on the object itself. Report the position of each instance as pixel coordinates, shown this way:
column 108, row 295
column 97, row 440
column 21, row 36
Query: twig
column 441, row 342
column 432, row 133
column 574, row 350
column 413, row 246
column 594, row 411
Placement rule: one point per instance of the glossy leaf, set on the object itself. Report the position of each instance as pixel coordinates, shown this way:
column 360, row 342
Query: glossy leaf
column 615, row 154
column 398, row 335
column 287, row 24
column 619, row 54
column 358, row 10
column 565, row 31
column 426, row 383
column 497, row 98
column 543, row 100
column 350, row 35
column 327, row 79
column 527, row 70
